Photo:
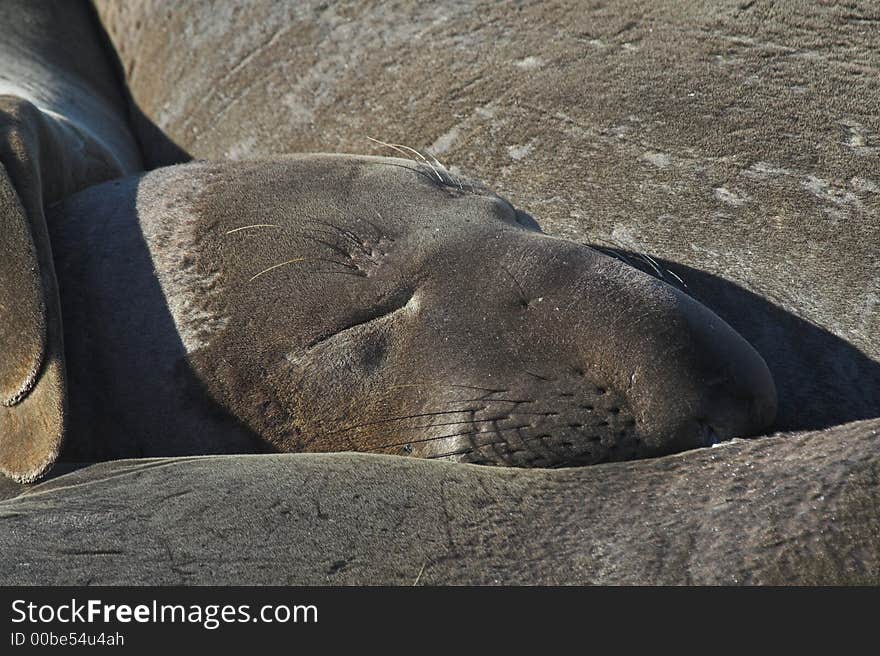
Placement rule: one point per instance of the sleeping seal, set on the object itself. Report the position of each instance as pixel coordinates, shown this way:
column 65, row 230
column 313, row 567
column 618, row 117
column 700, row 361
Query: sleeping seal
column 63, row 127
column 314, row 303
column 332, row 302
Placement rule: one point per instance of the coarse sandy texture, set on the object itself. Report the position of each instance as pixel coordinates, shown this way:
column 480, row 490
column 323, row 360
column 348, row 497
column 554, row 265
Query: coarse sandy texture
column 736, row 141
column 775, row 511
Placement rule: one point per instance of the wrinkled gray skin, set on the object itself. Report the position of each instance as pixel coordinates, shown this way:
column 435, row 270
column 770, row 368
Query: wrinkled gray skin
column 782, row 510
column 337, row 303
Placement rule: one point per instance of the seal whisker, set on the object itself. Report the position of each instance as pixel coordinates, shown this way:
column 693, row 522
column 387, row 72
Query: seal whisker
column 271, row 268
column 661, row 272
column 485, row 444
column 400, row 148
column 419, row 169
column 451, row 179
column 444, row 176
column 335, row 248
column 444, row 423
column 615, row 252
column 350, row 236
column 538, row 414
column 393, row 419
column 490, row 390
column 299, row 259
column 449, row 454
column 440, row 166
column 538, row 376
column 522, row 294
column 255, row 225
column 617, row 256
column 652, row 263
column 472, row 387
column 495, row 430
column 356, row 274
column 483, row 398
column 419, row 575
column 678, row 278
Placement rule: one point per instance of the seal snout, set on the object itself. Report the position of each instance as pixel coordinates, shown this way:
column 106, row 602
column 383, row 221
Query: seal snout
column 708, row 383
column 625, row 366
column 581, row 359
column 742, row 403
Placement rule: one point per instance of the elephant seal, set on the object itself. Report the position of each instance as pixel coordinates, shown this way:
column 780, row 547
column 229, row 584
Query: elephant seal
column 346, row 303
column 613, row 125
column 62, row 128
column 314, row 303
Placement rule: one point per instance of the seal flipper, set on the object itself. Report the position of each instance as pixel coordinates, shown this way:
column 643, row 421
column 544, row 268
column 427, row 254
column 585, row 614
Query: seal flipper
column 32, row 389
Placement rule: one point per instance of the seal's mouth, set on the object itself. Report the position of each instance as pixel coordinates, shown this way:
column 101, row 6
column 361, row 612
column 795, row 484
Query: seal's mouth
column 541, row 421
column 576, row 432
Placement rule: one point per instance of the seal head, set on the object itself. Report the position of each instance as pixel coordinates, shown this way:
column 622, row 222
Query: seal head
column 372, row 304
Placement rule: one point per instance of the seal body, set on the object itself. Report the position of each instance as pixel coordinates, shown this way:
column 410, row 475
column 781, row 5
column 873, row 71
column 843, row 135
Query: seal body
column 313, row 303
column 63, row 127
column 339, row 303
